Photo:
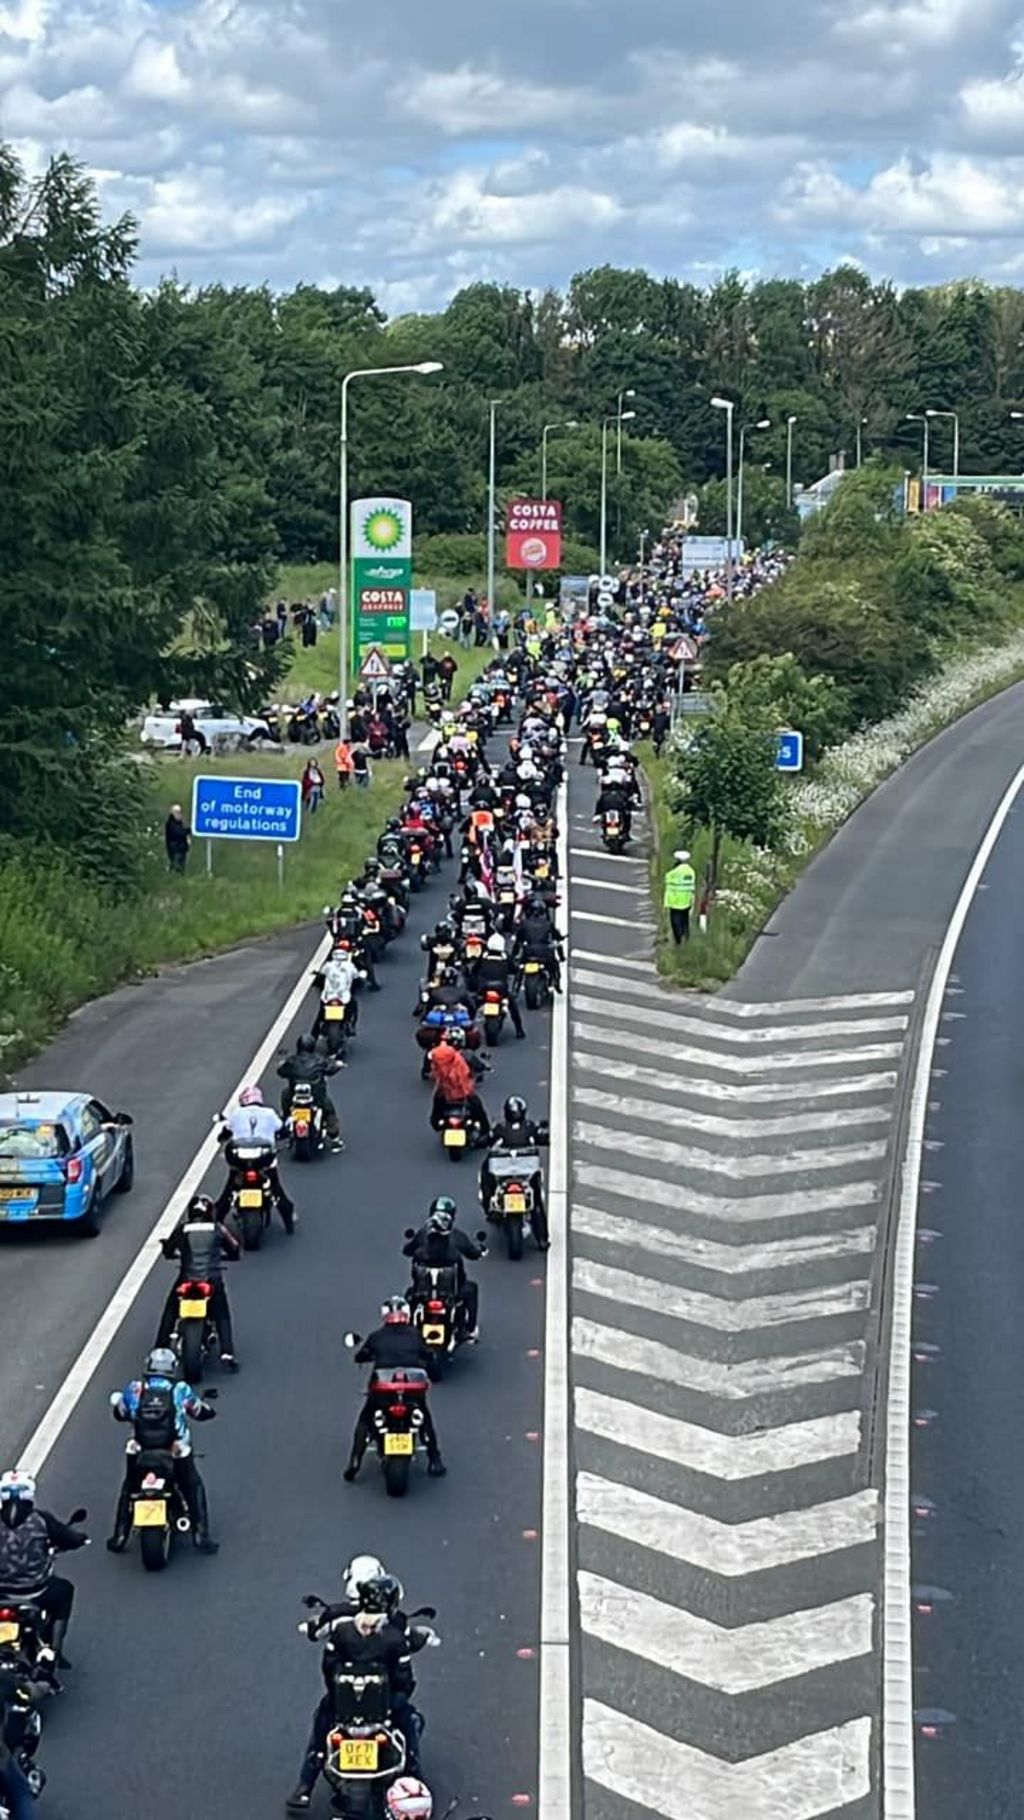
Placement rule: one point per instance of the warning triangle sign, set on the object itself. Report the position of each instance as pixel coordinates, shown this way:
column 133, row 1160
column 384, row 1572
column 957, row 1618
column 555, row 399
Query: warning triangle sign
column 375, row 666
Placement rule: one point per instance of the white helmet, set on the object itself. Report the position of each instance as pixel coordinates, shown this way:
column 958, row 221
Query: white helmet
column 360, row 1569
column 17, row 1488
column 496, row 945
column 408, row 1799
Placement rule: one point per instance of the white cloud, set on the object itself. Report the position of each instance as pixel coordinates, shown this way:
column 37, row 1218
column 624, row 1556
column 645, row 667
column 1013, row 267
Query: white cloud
column 945, row 198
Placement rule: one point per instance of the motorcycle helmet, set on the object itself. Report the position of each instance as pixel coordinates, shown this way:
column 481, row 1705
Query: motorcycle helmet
column 456, row 1036
column 162, row 1363
column 496, row 945
column 17, row 1488
column 201, row 1207
column 360, row 1569
column 442, row 1213
column 395, row 1312
column 408, row 1799
column 514, row 1109
column 381, row 1594
column 305, row 1045
column 251, row 1096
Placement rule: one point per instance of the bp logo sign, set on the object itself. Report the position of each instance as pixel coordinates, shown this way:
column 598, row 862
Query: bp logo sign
column 383, row 529
column 381, row 577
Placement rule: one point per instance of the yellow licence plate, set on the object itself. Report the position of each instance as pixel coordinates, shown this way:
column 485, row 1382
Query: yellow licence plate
column 515, row 1203
column 433, row 1336
column 455, row 1140
column 193, row 1311
column 9, row 1633
column 398, row 1444
column 19, row 1194
column 532, row 967
column 491, row 1010
column 334, row 1013
column 150, row 1513
column 358, row 1754
column 250, row 1197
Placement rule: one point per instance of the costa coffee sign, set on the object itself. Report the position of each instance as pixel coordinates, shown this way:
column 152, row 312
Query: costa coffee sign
column 533, row 534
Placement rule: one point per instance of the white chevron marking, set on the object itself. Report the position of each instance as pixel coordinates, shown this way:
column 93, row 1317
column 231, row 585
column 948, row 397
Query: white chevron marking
column 684, row 1054
column 621, row 1012
column 666, row 995
column 610, row 960
column 793, row 1125
column 649, row 1359
column 715, row 1162
column 708, row 1254
column 598, row 853
column 744, row 1209
column 618, row 922
column 731, row 1458
column 811, row 1777
column 761, row 1092
column 729, row 1549
column 607, row 884
column 750, row 1315
column 729, row 1661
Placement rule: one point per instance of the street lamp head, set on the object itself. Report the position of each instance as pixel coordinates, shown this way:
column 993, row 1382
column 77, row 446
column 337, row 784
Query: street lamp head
column 570, row 424
column 627, row 416
column 763, row 423
column 630, row 392
column 722, row 404
column 1017, row 416
column 429, row 366
column 791, row 419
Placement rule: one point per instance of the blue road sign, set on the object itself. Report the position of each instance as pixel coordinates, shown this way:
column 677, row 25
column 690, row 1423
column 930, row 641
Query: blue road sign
column 790, row 753
column 246, row 808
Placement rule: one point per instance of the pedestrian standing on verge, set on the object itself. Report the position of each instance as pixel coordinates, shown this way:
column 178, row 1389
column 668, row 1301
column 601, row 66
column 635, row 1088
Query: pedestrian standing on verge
column 680, row 891
column 177, row 839
column 312, row 786
column 361, row 768
column 343, row 762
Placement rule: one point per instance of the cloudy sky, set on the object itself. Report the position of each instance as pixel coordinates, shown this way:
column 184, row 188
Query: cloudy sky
column 416, row 145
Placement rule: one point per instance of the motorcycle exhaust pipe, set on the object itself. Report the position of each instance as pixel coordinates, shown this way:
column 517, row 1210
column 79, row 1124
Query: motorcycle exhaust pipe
column 183, row 1525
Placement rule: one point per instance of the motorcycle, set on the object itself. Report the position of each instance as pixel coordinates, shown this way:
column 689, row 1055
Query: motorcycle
column 437, row 1310
column 397, row 1395
column 305, row 1123
column 22, row 1730
column 194, row 1332
column 493, row 1008
column 536, row 981
column 417, row 865
column 512, row 1194
column 459, row 1131
column 435, row 1021
column 251, row 1199
column 613, row 831
column 158, row 1508
column 24, row 1628
column 339, row 1024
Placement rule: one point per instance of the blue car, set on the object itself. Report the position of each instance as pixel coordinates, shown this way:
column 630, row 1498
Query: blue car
column 61, row 1154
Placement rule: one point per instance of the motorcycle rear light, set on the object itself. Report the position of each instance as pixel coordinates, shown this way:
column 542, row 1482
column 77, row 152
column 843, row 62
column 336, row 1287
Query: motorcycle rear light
column 252, row 1175
column 435, row 1307
column 6, row 1614
column 73, row 1169
column 398, row 1409
column 514, row 1188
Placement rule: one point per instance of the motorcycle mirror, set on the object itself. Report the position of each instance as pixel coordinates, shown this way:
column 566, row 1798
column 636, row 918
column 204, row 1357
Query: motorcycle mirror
column 78, row 1516
column 425, row 1611
column 410, row 1232
column 352, row 1341
column 481, row 1237
column 210, row 1396
column 312, row 1602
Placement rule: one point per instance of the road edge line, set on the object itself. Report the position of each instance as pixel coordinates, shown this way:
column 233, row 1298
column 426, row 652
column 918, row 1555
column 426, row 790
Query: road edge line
column 48, row 1431
column 898, row 1791
column 555, row 1756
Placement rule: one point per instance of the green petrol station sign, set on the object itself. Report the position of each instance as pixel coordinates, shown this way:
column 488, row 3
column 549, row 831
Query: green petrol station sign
column 381, row 581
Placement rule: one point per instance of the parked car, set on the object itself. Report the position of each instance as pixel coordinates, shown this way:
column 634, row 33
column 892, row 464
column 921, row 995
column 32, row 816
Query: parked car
column 217, row 729
column 61, row 1155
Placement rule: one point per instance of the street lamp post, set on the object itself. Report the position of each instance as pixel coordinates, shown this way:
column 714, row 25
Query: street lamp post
column 629, row 392
column 621, row 417
column 727, row 405
column 492, row 504
column 569, row 424
column 747, row 429
column 790, row 421
column 921, row 417
column 956, row 434
column 861, row 421
column 420, row 366
column 644, row 535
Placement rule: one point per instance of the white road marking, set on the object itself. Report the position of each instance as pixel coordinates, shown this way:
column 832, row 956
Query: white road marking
column 649, row 1359
column 729, row 1549
column 64, row 1404
column 800, row 1781
column 667, row 995
column 706, row 1030
column 741, row 1209
column 432, row 739
column 729, row 1661
column 683, row 1054
column 655, row 1112
column 751, row 1314
column 726, row 1260
column 616, row 922
column 616, row 960
column 731, row 1458
column 556, row 1746
column 899, row 1799
column 598, row 853
column 607, row 884
column 844, row 1001
column 621, row 1069
column 714, row 1162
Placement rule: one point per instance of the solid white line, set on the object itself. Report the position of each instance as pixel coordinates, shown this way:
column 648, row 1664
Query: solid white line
column 658, row 1112
column 432, row 739
column 813, row 1776
column 618, row 859
column 707, row 1031
column 64, row 1404
column 555, row 1765
column 724, row 1260
column 607, row 884
column 728, row 1661
column 617, row 922
column 587, row 1062
column 740, row 1209
column 719, row 1314
column 732, row 1383
column 713, row 1162
column 899, row 1799
column 732, row 1550
column 731, row 1458
column 683, row 1054
column 617, row 960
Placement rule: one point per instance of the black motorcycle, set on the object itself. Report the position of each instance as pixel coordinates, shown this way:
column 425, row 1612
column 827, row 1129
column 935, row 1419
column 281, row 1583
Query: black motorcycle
column 25, row 1629
column 397, row 1398
column 438, row 1311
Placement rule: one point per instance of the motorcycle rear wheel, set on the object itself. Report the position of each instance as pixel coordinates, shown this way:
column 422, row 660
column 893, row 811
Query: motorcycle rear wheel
column 514, row 1238
column 250, row 1220
column 396, row 1475
column 190, row 1335
column 155, row 1545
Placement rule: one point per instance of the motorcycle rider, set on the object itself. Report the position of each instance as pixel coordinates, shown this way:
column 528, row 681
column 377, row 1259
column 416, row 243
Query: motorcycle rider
column 21, row 1688
column 493, row 972
column 200, row 1242
column 454, row 1076
column 337, row 983
column 538, row 938
column 29, row 1538
column 441, row 1245
column 615, row 795
column 306, row 1065
column 515, row 1130
column 160, row 1405
column 249, row 1124
column 395, row 1343
column 369, row 1631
